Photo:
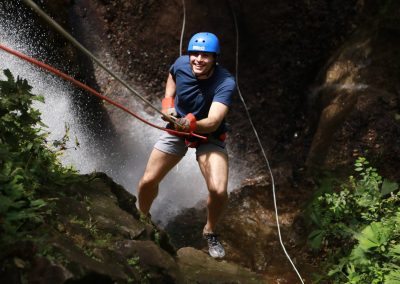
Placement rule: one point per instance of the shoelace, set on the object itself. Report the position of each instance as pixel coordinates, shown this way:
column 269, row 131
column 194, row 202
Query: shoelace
column 212, row 238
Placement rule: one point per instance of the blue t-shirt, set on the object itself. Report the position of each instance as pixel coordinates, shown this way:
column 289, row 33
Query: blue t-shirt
column 196, row 96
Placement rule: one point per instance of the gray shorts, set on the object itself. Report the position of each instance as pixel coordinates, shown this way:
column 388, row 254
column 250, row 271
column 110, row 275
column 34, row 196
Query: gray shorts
column 175, row 145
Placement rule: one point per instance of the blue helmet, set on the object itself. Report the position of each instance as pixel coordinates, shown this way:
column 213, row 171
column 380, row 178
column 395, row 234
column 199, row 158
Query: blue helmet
column 205, row 42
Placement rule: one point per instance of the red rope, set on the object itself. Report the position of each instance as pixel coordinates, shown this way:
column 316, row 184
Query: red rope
column 92, row 91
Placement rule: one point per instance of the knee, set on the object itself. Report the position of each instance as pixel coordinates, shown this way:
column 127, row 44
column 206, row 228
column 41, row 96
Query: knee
column 219, row 193
column 146, row 182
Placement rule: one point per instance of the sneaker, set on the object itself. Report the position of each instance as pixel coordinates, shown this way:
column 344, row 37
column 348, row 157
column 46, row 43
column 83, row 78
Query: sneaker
column 215, row 248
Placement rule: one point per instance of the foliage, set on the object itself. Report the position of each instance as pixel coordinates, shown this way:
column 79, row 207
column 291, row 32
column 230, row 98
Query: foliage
column 134, row 262
column 26, row 161
column 359, row 221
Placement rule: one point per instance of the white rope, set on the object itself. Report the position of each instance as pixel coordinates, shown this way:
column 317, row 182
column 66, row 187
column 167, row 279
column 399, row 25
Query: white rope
column 183, row 26
column 261, row 147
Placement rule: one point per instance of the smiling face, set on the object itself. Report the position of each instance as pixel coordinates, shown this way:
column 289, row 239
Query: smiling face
column 202, row 64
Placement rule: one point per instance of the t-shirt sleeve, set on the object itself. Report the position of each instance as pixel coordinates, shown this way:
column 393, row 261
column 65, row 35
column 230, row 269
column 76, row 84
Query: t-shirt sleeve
column 172, row 70
column 179, row 62
column 224, row 93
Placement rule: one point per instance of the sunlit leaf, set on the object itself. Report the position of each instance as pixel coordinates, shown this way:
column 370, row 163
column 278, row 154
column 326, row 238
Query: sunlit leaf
column 388, row 187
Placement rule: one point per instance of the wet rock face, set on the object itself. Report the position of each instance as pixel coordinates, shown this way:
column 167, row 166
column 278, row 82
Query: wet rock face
column 358, row 97
column 202, row 269
column 248, row 229
column 94, row 235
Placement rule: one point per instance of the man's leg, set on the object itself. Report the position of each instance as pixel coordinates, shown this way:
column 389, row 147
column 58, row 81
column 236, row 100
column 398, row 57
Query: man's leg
column 158, row 166
column 214, row 167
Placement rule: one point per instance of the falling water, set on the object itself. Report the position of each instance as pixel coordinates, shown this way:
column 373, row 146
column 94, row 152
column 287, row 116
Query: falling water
column 121, row 153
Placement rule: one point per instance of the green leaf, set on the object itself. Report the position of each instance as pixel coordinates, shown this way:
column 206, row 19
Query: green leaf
column 393, row 277
column 5, row 204
column 394, row 251
column 9, row 75
column 372, row 236
column 358, row 255
column 39, row 98
column 388, row 187
column 338, row 268
column 38, row 203
column 315, row 238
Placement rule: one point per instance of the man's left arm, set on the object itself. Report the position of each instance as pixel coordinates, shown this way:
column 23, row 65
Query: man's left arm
column 216, row 115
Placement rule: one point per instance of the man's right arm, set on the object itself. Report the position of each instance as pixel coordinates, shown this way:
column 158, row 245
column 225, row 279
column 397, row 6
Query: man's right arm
column 170, row 87
column 167, row 103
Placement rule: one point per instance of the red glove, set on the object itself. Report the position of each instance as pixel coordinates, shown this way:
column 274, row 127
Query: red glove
column 187, row 123
column 168, row 106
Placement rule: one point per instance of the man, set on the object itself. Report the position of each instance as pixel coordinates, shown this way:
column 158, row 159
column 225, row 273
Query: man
column 198, row 92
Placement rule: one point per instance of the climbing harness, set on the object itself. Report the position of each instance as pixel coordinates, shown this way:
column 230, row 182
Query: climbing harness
column 57, row 27
column 261, row 147
column 194, row 142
